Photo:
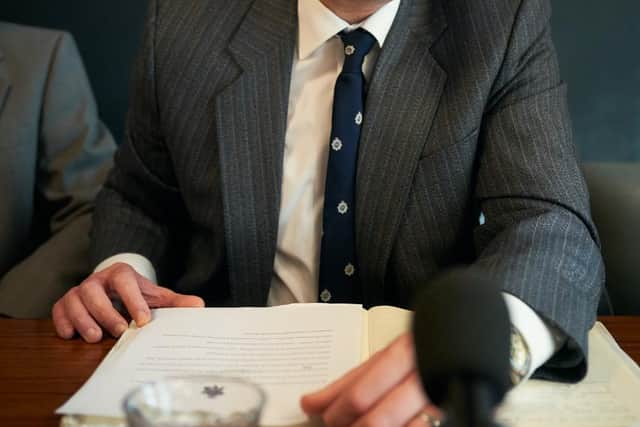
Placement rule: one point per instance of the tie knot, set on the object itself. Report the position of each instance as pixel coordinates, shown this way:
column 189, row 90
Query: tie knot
column 357, row 44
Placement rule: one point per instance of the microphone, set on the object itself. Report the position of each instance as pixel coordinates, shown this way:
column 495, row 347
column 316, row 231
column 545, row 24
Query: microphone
column 462, row 342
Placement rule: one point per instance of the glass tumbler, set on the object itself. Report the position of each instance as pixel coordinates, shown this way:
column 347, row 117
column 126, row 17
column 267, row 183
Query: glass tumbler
column 204, row 401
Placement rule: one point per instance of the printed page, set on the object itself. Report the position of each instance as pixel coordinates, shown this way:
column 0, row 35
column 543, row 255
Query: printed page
column 289, row 350
column 386, row 323
column 608, row 397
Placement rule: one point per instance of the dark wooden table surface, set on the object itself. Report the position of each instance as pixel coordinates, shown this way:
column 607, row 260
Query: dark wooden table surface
column 38, row 371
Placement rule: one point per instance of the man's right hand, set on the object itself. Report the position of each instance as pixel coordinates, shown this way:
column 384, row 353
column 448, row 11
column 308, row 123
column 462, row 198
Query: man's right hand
column 88, row 308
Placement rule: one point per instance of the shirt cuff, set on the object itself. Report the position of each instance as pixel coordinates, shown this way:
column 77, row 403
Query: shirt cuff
column 541, row 338
column 138, row 262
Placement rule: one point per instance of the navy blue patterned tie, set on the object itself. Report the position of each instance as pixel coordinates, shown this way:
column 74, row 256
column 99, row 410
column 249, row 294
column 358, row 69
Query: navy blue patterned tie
column 338, row 267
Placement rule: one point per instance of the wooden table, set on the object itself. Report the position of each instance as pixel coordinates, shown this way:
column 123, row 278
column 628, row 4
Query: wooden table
column 38, row 371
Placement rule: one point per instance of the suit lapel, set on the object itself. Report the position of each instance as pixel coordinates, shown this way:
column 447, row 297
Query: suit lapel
column 402, row 100
column 251, row 117
column 4, row 82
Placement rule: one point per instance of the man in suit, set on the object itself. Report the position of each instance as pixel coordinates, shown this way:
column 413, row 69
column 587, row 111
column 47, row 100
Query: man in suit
column 332, row 150
column 54, row 156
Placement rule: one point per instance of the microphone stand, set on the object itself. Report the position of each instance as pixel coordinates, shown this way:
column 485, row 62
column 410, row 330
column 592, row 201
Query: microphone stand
column 470, row 403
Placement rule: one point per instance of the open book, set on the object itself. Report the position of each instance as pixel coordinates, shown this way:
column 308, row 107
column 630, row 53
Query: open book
column 288, row 350
column 294, row 349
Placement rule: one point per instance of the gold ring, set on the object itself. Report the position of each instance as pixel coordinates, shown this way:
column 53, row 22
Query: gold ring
column 430, row 420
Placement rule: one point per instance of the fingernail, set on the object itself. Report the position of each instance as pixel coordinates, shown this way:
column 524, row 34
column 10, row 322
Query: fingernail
column 120, row 328
column 67, row 333
column 93, row 333
column 143, row 317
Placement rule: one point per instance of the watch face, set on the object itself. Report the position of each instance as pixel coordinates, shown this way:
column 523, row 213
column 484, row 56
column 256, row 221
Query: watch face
column 518, row 352
column 520, row 356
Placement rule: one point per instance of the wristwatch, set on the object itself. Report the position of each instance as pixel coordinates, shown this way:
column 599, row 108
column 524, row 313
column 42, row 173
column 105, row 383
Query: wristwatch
column 520, row 357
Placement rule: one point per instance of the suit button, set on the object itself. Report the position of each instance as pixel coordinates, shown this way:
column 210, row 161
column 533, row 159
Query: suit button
column 325, row 296
column 349, row 270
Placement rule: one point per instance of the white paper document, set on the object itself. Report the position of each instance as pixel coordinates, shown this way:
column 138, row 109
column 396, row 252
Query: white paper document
column 289, row 351
column 608, row 397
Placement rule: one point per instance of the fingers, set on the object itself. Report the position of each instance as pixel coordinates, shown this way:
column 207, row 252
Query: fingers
column 123, row 281
column 101, row 308
column 386, row 390
column 139, row 294
column 64, row 327
column 80, row 318
column 316, row 403
column 157, row 296
column 187, row 301
column 398, row 407
column 87, row 308
column 394, row 364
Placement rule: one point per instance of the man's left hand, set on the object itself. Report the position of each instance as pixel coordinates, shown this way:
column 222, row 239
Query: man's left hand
column 383, row 391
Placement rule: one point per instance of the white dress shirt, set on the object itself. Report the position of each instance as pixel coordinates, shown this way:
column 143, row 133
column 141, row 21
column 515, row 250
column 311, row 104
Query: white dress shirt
column 317, row 62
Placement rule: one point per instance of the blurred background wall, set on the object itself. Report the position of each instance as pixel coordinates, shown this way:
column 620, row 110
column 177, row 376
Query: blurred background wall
column 107, row 33
column 599, row 47
column 598, row 44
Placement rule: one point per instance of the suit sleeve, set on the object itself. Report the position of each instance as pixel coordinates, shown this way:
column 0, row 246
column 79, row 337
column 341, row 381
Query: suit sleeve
column 74, row 156
column 538, row 237
column 140, row 208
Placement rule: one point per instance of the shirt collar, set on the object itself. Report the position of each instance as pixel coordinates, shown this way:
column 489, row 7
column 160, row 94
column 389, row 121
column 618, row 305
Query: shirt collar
column 317, row 24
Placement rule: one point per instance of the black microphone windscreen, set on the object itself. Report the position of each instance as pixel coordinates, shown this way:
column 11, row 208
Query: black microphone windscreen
column 462, row 331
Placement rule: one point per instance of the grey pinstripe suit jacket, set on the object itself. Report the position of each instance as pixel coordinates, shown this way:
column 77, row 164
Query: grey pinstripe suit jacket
column 465, row 114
